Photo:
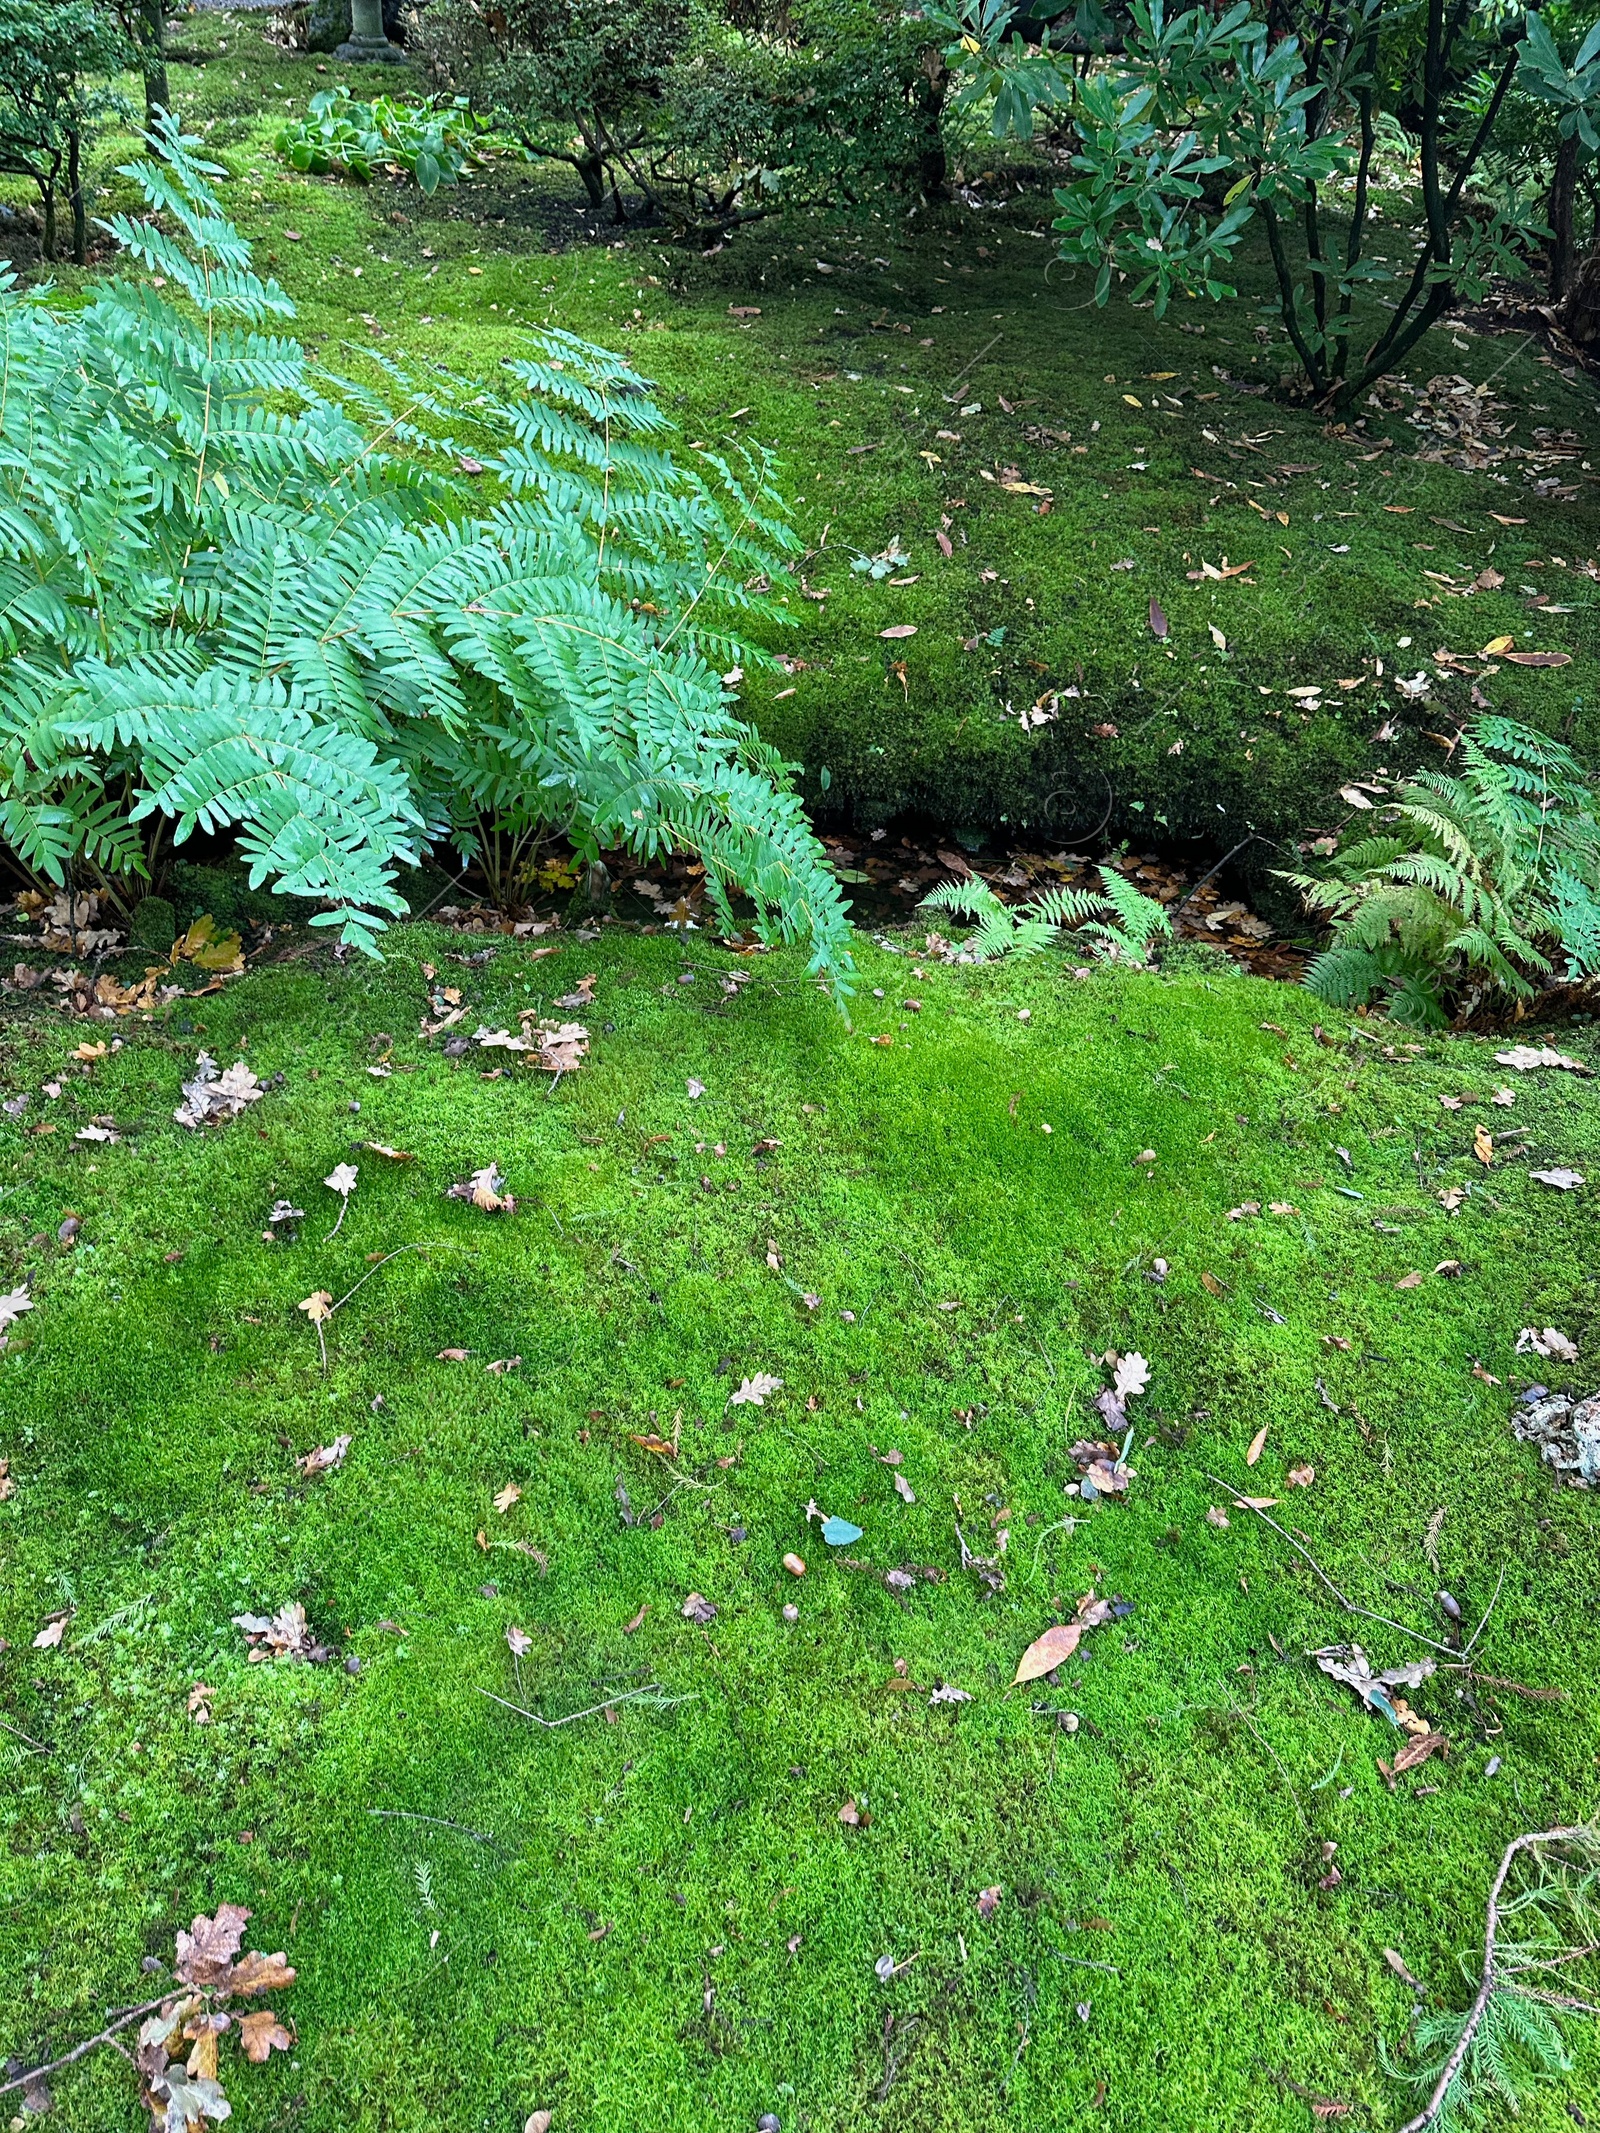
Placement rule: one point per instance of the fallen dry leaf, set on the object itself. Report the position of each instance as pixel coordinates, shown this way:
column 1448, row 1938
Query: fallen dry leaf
column 12, row 1306
column 1046, row 1653
column 1258, row 1444
column 1300, row 1477
column 1216, row 1516
column 988, row 1901
column 628, row 1628
column 507, row 1496
column 260, row 2034
column 697, row 1608
column 754, row 1392
column 1562, row 1180
column 452, row 1355
column 519, row 1640
column 325, row 1457
column 1525, row 1057
column 54, row 1630
column 318, row 1306
column 1412, row 1280
column 485, row 1190
column 1483, row 1146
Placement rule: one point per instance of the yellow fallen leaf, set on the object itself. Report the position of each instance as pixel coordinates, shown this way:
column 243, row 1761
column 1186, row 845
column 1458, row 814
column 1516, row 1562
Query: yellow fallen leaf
column 1496, row 646
column 1483, row 1146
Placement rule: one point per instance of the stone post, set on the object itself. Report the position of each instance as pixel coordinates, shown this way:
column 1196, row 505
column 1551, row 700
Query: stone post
column 367, row 40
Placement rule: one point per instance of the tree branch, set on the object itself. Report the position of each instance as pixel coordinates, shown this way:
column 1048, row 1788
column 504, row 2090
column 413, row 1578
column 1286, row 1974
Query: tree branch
column 1429, row 2113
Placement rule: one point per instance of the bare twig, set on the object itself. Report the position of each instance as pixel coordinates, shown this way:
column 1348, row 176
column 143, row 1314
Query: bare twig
column 651, row 1688
column 404, row 1814
column 37, row 1746
column 384, row 1261
column 1514, row 1688
column 1466, row 1649
column 1349, row 1605
column 1240, row 1712
column 1429, row 2113
column 972, row 366
column 90, row 2044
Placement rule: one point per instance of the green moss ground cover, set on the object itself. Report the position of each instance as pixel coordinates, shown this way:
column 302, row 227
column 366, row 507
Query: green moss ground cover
column 662, row 1920
column 851, row 371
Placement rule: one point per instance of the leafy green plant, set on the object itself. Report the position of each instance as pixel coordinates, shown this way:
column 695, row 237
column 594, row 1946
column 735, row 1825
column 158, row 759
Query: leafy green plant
column 1534, row 1940
column 1470, row 885
column 716, row 114
column 224, row 605
column 57, row 65
column 1121, row 921
column 436, row 141
column 1201, row 125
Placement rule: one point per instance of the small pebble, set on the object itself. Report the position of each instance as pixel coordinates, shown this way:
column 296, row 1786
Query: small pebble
column 769, row 2122
column 1492, row 1767
column 791, row 1613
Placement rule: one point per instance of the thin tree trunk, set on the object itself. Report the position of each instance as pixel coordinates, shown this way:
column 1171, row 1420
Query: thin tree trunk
column 157, row 95
column 1559, row 212
column 1580, row 314
column 48, row 195
column 80, row 220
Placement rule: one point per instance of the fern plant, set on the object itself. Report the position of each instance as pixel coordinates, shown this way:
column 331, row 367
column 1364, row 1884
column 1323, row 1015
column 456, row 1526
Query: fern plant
column 239, row 594
column 1119, row 922
column 1473, row 885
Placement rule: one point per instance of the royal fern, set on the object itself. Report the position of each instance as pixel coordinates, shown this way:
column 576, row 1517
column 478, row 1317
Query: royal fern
column 1473, row 885
column 239, row 594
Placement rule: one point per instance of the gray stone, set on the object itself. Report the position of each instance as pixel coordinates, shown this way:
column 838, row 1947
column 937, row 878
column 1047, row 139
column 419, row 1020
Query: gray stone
column 327, row 24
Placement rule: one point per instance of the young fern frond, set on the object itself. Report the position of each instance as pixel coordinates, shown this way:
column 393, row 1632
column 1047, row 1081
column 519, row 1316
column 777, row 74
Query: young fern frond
column 1121, row 921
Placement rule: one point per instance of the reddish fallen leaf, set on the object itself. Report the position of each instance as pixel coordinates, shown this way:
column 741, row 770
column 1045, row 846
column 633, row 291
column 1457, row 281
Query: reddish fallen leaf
column 1158, row 619
column 988, row 1901
column 1537, row 659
